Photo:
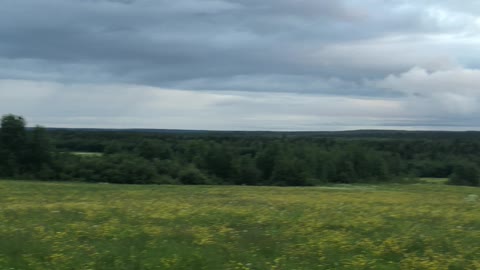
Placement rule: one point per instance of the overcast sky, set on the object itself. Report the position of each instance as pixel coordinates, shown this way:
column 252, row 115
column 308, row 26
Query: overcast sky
column 242, row 64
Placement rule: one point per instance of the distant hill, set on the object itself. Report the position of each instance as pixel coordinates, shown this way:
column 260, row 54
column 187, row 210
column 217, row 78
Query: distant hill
column 379, row 134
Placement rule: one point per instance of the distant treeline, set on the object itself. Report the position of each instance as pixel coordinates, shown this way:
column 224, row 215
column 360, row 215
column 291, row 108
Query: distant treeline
column 242, row 158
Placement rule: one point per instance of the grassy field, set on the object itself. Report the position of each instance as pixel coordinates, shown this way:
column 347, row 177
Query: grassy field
column 87, row 154
column 93, row 226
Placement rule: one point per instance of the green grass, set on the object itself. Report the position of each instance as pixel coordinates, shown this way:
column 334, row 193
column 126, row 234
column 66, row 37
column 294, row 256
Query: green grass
column 87, row 154
column 92, row 226
column 431, row 180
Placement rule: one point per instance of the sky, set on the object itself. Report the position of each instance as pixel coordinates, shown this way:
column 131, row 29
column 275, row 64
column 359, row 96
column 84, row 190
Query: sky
column 242, row 64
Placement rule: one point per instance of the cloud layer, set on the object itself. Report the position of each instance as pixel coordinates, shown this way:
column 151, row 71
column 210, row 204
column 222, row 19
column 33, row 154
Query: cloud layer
column 226, row 64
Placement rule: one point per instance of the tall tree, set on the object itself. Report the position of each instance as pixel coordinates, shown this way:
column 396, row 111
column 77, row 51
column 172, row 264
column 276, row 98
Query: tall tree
column 12, row 144
column 12, row 134
column 39, row 148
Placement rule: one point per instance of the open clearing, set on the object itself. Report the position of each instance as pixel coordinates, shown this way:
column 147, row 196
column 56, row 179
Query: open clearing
column 87, row 154
column 92, row 226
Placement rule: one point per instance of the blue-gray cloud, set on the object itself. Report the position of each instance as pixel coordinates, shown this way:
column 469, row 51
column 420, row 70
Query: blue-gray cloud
column 369, row 49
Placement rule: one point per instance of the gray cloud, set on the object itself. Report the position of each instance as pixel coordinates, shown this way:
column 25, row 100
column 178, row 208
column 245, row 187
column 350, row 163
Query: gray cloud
column 122, row 106
column 399, row 51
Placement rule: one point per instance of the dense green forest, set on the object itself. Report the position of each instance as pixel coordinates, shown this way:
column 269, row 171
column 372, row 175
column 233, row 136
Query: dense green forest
column 242, row 158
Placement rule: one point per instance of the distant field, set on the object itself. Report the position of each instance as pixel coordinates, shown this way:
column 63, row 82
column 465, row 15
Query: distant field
column 92, row 226
column 87, row 154
column 434, row 180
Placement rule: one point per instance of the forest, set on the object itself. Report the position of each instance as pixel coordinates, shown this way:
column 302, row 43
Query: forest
column 235, row 158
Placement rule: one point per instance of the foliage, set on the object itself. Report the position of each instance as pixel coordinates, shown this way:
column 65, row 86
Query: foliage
column 466, row 174
column 191, row 175
column 298, row 159
column 22, row 154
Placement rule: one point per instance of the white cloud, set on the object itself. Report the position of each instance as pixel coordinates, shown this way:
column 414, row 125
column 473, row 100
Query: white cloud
column 454, row 92
column 392, row 54
column 419, row 81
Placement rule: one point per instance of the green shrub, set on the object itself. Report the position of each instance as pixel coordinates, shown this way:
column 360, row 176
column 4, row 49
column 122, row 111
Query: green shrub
column 191, row 175
column 465, row 174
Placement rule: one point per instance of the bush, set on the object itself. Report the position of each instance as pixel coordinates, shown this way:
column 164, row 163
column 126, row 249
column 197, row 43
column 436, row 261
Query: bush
column 289, row 172
column 191, row 175
column 465, row 174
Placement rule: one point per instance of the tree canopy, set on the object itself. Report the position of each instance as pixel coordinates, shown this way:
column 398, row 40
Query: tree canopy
column 229, row 158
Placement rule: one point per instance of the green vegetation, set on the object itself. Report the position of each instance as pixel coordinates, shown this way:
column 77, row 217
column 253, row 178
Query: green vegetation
column 429, row 180
column 231, row 158
column 358, row 219
column 88, row 154
column 21, row 152
column 58, row 226
column 466, row 174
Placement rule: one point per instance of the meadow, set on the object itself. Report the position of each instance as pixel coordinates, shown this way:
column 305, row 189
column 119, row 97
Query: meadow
column 52, row 226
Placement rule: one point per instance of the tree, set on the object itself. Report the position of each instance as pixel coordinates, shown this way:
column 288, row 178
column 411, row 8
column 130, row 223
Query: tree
column 266, row 160
column 12, row 134
column 246, row 171
column 146, row 149
column 465, row 174
column 12, row 144
column 23, row 155
column 344, row 168
column 219, row 161
column 289, row 171
column 39, row 148
column 191, row 175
